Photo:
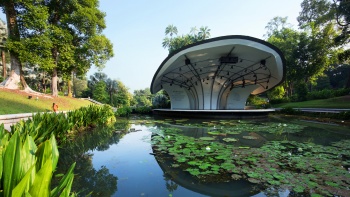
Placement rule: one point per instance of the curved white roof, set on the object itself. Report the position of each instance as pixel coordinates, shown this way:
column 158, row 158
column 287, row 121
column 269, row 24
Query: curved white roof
column 221, row 65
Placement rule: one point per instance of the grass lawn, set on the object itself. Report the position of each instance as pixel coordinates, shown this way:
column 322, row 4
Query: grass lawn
column 16, row 101
column 337, row 102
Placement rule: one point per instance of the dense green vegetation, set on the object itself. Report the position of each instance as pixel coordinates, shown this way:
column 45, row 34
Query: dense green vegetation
column 51, row 35
column 29, row 153
column 223, row 154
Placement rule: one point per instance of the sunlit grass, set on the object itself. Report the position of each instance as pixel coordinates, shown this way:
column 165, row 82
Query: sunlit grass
column 338, row 102
column 14, row 102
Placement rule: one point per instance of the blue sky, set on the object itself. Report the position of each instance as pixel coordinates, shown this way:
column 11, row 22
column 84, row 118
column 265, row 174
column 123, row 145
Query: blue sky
column 136, row 29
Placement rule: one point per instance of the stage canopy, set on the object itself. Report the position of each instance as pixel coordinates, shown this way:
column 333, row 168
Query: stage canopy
column 219, row 73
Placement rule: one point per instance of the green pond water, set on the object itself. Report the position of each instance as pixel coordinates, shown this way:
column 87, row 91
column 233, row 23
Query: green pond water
column 142, row 156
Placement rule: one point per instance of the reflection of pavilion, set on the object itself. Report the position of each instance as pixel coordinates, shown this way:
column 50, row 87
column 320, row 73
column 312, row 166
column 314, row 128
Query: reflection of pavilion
column 219, row 73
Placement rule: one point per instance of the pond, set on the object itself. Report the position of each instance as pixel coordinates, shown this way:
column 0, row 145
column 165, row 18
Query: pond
column 180, row 157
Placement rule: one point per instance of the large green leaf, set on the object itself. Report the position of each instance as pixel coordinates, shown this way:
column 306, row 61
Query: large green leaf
column 42, row 180
column 43, row 153
column 12, row 164
column 55, row 153
column 65, row 183
column 22, row 185
column 28, row 157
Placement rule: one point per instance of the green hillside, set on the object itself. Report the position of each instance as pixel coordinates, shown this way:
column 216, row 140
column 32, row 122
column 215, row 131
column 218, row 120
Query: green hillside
column 17, row 101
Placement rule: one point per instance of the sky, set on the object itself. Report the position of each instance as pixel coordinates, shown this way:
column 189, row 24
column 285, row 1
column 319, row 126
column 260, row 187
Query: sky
column 137, row 28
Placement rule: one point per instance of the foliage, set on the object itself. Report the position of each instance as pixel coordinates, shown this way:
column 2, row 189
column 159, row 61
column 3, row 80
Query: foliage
column 304, row 168
column 122, row 97
column 124, row 111
column 258, row 102
column 327, row 93
column 27, row 167
column 53, row 36
column 79, row 85
column 277, row 92
column 336, row 102
column 161, row 100
column 143, row 97
column 115, row 90
column 301, row 90
column 175, row 43
column 99, row 92
column 143, row 110
column 42, row 125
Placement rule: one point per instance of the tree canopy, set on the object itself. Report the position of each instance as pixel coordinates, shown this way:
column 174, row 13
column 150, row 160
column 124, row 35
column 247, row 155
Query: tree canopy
column 177, row 42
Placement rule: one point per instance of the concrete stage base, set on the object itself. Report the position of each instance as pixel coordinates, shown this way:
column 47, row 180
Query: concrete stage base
column 214, row 114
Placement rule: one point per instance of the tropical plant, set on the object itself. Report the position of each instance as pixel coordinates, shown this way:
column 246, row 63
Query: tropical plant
column 175, row 43
column 27, row 168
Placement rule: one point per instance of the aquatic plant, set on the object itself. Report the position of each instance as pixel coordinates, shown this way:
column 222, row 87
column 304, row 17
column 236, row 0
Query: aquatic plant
column 27, row 168
column 301, row 167
column 41, row 125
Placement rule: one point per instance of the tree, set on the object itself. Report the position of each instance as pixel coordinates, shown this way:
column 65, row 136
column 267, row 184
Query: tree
column 99, row 92
column 122, row 97
column 16, row 76
column 60, row 36
column 3, row 38
column 308, row 53
column 143, row 97
column 204, row 33
column 79, row 85
column 112, row 88
column 171, row 30
column 175, row 43
column 84, row 22
column 324, row 12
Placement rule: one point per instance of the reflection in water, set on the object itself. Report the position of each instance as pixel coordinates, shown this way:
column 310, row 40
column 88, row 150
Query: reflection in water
column 107, row 157
column 88, row 180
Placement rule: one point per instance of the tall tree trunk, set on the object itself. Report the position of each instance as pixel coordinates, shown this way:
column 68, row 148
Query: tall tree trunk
column 69, row 88
column 54, row 83
column 4, row 68
column 16, row 77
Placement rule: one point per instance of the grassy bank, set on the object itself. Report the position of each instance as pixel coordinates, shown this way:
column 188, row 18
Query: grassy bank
column 337, row 102
column 17, row 101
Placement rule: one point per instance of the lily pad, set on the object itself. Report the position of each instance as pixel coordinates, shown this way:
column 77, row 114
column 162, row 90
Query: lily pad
column 207, row 138
column 249, row 137
column 230, row 139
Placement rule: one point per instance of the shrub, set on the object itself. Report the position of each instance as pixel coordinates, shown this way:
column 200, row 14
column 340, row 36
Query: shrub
column 327, row 93
column 302, row 91
column 281, row 100
column 290, row 110
column 124, row 111
column 143, row 110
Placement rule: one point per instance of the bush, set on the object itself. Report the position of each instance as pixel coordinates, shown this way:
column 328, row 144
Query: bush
column 281, row 100
column 143, row 110
column 302, row 91
column 124, row 111
column 290, row 111
column 327, row 93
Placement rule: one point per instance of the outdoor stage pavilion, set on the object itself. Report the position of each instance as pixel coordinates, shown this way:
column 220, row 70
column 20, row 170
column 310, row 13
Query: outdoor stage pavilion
column 215, row 77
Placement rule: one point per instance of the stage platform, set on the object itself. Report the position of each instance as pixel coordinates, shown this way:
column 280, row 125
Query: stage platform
column 214, row 114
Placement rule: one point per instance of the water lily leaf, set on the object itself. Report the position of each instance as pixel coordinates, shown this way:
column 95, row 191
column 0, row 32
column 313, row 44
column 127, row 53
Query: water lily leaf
column 248, row 137
column 252, row 180
column 216, row 133
column 230, row 139
column 207, row 138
